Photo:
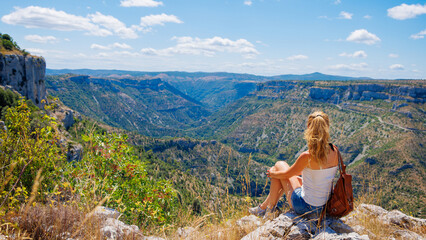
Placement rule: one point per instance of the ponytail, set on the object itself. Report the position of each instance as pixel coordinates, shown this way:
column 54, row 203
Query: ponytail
column 317, row 136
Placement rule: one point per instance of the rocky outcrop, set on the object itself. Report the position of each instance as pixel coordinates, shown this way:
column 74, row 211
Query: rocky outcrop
column 368, row 92
column 113, row 229
column 25, row 74
column 397, row 224
column 290, row 226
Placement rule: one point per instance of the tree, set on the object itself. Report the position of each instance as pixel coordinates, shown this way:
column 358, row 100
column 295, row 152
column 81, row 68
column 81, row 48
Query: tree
column 7, row 37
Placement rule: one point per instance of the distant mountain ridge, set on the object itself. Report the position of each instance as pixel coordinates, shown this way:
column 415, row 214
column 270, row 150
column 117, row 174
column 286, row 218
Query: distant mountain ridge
column 214, row 90
column 180, row 75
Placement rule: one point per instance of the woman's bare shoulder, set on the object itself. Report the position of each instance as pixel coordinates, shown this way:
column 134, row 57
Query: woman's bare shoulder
column 305, row 154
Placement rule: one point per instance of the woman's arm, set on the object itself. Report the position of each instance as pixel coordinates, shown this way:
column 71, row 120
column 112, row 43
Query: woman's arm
column 293, row 170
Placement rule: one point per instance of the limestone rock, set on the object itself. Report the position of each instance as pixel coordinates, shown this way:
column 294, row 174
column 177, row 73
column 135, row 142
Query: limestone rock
column 402, row 226
column 248, row 221
column 68, row 120
column 75, row 152
column 105, row 213
column 116, row 229
column 291, row 226
column 405, row 234
column 186, row 232
column 25, row 75
column 346, row 236
column 398, row 218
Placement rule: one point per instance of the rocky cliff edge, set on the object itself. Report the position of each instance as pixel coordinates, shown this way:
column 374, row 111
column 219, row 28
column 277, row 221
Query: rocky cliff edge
column 24, row 74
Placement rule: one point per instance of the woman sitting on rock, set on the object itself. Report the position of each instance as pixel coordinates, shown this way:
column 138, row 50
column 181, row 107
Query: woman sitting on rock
column 318, row 165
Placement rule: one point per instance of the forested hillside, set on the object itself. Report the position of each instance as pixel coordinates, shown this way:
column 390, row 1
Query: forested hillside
column 151, row 106
column 381, row 133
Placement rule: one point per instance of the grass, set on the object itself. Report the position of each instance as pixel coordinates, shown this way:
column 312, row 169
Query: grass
column 41, row 220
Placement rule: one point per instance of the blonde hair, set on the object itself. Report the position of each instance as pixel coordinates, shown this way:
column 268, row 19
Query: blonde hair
column 317, row 136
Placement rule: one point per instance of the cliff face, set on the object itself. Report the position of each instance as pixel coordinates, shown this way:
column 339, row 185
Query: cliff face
column 368, row 92
column 25, row 75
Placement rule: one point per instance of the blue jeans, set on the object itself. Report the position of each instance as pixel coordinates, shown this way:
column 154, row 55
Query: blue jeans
column 301, row 207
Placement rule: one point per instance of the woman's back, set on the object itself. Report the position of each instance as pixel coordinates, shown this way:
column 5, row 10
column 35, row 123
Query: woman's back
column 317, row 179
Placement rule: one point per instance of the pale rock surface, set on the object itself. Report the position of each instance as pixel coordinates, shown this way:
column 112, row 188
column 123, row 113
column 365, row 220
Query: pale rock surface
column 402, row 226
column 290, row 226
column 249, row 221
column 104, row 212
column 25, row 75
column 116, row 229
column 186, row 232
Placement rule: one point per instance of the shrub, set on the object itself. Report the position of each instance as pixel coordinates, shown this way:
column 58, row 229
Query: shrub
column 111, row 169
column 7, row 44
column 23, row 152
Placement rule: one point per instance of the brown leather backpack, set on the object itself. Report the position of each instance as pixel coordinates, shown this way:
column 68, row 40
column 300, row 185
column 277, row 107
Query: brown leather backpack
column 341, row 199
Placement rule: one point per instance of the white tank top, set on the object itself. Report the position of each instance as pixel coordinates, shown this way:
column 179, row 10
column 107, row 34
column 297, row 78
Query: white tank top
column 316, row 185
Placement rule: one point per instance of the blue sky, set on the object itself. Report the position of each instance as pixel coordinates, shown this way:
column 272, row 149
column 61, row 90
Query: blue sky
column 379, row 39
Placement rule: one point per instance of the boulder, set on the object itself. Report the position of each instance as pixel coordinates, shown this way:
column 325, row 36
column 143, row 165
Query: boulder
column 75, row 152
column 116, row 229
column 68, row 120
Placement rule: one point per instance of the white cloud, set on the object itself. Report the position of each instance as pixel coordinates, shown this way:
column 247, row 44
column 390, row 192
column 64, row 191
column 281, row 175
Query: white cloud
column 419, row 35
column 37, row 51
column 159, row 19
column 396, row 67
column 248, row 2
column 297, row 57
column 113, row 24
column 324, row 17
column 367, row 17
column 345, row 15
column 115, row 54
column 352, row 67
column 207, row 47
column 337, row 2
column 393, row 55
column 39, row 17
column 357, row 54
column 44, row 52
column 110, row 46
column 40, row 39
column 405, row 11
column 140, row 3
column 363, row 36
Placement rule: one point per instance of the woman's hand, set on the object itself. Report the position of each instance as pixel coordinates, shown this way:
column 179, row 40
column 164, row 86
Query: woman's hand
column 271, row 173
